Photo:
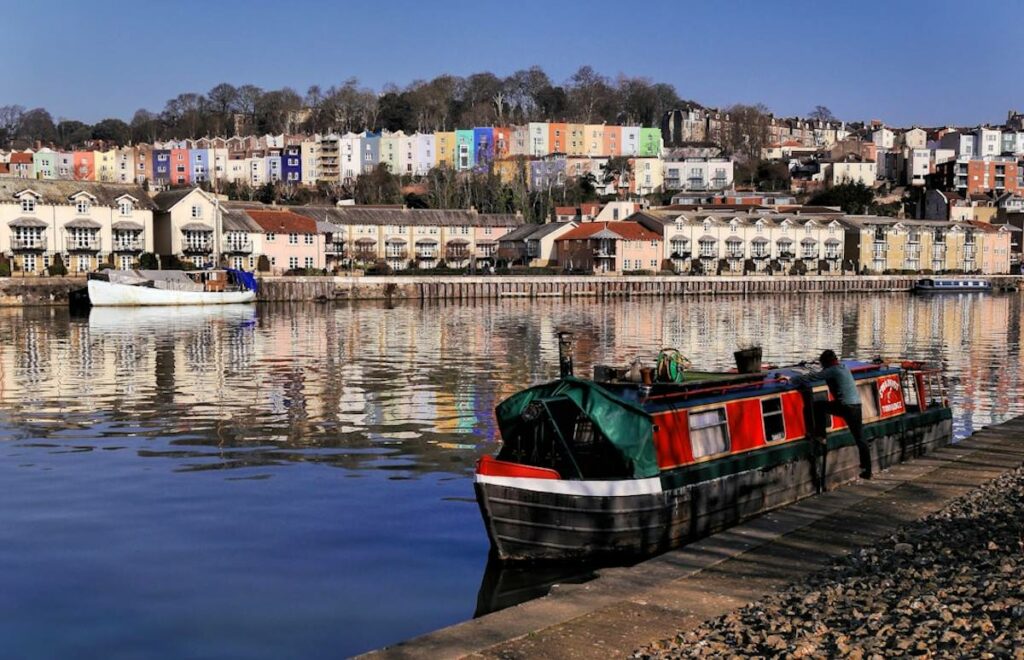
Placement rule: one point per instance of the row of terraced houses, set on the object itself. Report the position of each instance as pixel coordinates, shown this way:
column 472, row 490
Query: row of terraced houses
column 544, row 154
column 91, row 225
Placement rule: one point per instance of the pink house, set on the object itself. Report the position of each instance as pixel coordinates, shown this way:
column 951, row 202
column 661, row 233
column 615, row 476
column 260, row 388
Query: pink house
column 610, row 247
column 290, row 241
column 485, row 237
column 179, row 167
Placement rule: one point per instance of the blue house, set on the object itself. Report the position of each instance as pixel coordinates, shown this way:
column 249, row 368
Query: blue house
column 291, row 164
column 370, row 147
column 161, row 167
column 199, row 165
column 483, row 147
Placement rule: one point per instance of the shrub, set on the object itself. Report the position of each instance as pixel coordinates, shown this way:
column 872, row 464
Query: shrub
column 57, row 267
column 148, row 261
column 5, row 269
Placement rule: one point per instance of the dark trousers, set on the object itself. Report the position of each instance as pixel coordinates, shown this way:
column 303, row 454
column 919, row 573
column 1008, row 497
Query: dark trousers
column 854, row 419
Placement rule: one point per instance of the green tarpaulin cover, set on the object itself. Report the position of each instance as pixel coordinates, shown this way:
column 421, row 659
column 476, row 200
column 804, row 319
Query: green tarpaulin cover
column 626, row 426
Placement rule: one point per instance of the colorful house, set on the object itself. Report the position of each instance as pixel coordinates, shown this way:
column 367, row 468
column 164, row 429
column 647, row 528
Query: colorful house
column 650, row 142
column 199, row 165
column 105, row 165
column 464, row 156
column 594, row 139
column 577, row 140
column 444, row 143
column 290, row 241
column 537, row 134
column 483, row 147
column 44, row 164
column 180, row 167
column 390, row 150
column 558, row 138
column 370, row 146
column 502, row 142
column 83, row 163
column 291, row 164
column 612, row 141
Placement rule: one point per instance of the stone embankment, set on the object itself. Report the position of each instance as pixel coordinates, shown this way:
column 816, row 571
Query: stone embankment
column 914, row 562
column 30, row 291
column 951, row 585
column 460, row 288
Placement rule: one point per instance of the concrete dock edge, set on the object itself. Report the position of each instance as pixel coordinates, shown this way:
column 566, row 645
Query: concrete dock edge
column 626, row 608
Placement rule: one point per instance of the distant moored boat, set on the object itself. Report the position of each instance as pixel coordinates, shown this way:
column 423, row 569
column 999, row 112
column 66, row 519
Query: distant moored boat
column 952, row 284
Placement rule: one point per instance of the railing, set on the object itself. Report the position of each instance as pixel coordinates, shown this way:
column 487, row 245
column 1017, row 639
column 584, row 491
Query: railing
column 457, row 253
column 396, row 254
column 90, row 244
column 28, row 243
column 759, row 254
column 128, row 245
column 335, row 249
column 366, row 254
column 429, row 253
column 238, row 246
column 196, row 247
column 681, row 254
column 786, row 254
column 734, row 254
column 604, row 254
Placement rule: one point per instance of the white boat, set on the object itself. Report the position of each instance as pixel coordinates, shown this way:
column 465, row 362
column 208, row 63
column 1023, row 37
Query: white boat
column 129, row 288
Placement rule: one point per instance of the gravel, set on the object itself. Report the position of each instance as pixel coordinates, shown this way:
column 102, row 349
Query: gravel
column 949, row 585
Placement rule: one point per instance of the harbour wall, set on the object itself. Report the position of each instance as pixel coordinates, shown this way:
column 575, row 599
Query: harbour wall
column 459, row 288
column 31, row 291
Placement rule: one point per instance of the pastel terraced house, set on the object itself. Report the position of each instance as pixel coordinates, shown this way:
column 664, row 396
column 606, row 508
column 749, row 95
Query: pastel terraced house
column 610, row 248
column 290, row 241
column 87, row 223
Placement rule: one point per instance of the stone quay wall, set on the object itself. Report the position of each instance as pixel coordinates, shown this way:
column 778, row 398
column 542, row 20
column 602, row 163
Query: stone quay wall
column 31, row 291
column 459, row 288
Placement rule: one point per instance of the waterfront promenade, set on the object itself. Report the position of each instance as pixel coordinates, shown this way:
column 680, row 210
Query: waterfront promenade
column 627, row 611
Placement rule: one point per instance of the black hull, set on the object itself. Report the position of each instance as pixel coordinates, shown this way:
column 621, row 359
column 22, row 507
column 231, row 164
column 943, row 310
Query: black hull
column 531, row 525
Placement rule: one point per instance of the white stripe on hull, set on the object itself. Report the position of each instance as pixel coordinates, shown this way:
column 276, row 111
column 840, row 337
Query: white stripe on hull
column 106, row 294
column 617, row 488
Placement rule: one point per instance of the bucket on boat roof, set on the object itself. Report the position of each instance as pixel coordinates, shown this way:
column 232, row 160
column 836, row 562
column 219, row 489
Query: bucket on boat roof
column 748, row 360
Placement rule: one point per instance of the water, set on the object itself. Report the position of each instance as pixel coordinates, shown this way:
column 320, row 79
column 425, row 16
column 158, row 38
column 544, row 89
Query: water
column 296, row 480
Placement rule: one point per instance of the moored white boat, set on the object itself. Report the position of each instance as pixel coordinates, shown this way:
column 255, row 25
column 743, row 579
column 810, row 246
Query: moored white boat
column 142, row 288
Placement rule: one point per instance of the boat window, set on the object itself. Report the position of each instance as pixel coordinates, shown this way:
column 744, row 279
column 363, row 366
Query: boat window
column 774, row 422
column 709, row 433
column 868, row 398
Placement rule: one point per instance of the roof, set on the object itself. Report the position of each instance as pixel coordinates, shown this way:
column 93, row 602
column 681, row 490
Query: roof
column 361, row 215
column 545, row 229
column 521, row 233
column 282, row 222
column 59, row 191
column 233, row 219
column 168, row 198
column 630, row 231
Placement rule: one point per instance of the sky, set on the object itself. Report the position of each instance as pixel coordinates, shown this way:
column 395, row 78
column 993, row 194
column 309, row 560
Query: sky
column 926, row 63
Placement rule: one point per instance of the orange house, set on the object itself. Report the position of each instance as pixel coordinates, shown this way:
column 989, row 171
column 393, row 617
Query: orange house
column 502, row 142
column 179, row 167
column 83, row 165
column 612, row 141
column 558, row 138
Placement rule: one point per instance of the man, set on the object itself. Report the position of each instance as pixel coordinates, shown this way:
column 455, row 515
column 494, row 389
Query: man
column 845, row 404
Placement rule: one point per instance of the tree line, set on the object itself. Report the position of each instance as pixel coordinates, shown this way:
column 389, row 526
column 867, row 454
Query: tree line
column 440, row 104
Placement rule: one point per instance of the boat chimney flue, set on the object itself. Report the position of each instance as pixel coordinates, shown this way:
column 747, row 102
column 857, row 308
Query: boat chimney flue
column 565, row 346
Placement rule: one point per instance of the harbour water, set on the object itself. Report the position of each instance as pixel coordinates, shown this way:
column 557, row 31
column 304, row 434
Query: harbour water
column 296, row 480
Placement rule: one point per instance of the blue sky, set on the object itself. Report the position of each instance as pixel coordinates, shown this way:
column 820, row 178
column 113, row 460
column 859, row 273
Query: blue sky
column 928, row 63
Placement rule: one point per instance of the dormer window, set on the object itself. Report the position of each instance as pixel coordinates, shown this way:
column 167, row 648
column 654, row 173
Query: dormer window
column 125, row 206
column 82, row 205
column 28, row 204
column 197, row 211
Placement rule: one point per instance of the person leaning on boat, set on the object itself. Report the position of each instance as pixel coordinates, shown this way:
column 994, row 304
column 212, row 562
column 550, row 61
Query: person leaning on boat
column 845, row 404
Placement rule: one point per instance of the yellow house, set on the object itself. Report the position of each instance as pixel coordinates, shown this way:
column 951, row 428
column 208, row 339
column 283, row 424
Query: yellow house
column 934, row 246
column 575, row 140
column 105, row 165
column 444, row 148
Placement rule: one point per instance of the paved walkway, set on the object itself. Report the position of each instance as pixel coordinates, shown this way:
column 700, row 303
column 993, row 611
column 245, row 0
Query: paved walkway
column 626, row 608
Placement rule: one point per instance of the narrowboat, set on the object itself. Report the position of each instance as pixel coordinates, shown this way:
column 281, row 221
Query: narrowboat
column 113, row 288
column 950, row 284
column 642, row 460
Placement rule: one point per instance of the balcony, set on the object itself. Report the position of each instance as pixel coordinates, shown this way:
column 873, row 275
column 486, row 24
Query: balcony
column 456, row 253
column 787, row 254
column 365, row 253
column 396, row 254
column 759, row 254
column 719, row 183
column 680, row 254
column 734, row 254
column 238, row 246
column 28, row 244
column 128, row 245
column 196, row 247
column 82, row 244
column 335, row 249
column 603, row 253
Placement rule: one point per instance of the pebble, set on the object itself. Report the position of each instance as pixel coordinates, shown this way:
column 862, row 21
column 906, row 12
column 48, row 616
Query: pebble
column 960, row 595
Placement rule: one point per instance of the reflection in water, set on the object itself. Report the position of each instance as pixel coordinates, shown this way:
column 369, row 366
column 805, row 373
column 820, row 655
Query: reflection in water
column 216, row 426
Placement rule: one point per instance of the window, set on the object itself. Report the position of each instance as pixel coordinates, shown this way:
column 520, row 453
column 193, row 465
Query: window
column 125, row 207
column 774, row 421
column 309, row 239
column 309, row 262
column 270, row 237
column 82, row 206
column 28, row 204
column 868, row 399
column 293, row 239
column 197, row 211
column 709, row 434
column 293, row 263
